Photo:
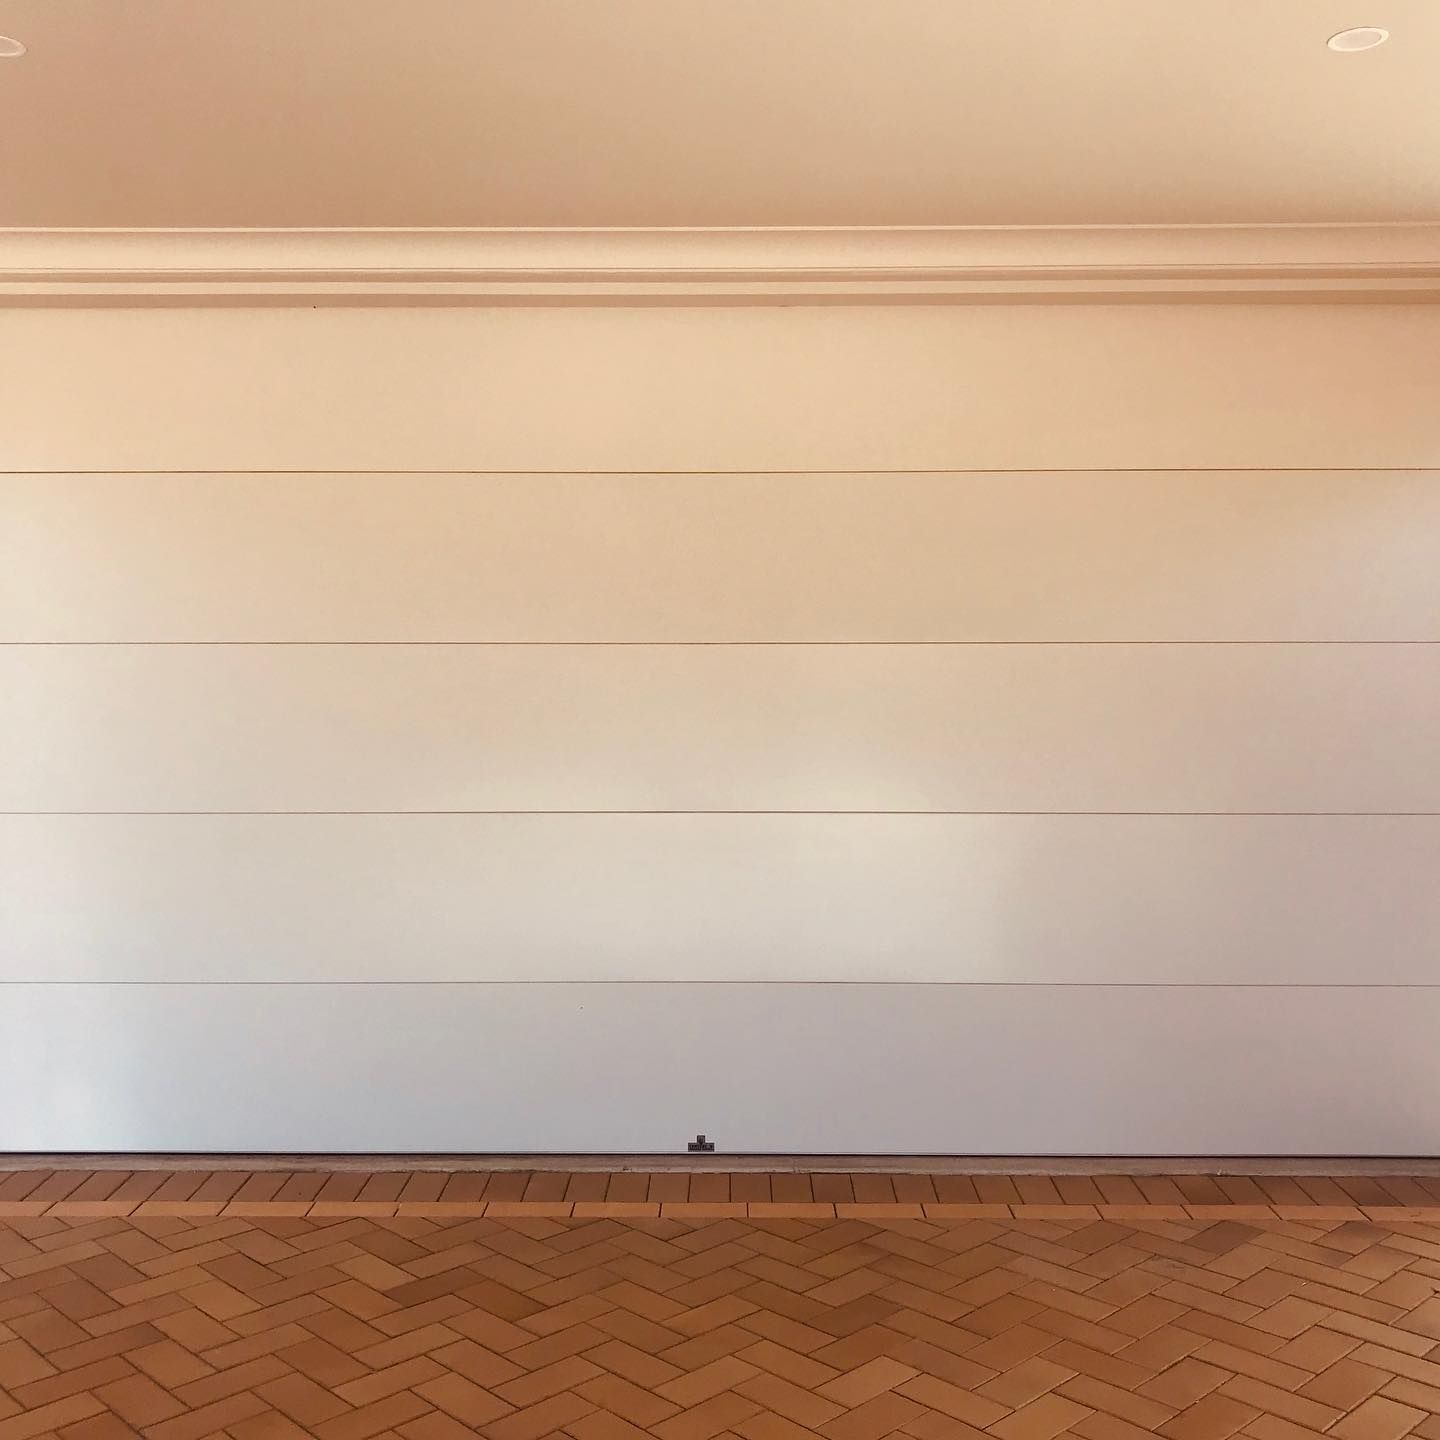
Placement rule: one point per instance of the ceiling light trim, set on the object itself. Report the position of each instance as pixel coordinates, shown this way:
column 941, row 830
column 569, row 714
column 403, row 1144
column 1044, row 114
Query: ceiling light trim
column 735, row 267
column 1358, row 39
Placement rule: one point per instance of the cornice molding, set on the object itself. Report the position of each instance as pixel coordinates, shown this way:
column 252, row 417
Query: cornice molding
column 1101, row 264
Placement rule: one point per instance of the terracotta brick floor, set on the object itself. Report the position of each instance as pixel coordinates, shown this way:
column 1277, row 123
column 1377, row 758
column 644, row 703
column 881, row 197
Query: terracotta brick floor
column 709, row 1318
column 77, row 1192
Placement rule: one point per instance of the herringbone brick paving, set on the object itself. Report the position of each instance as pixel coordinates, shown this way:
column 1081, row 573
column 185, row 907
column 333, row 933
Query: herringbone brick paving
column 711, row 1326
column 35, row 1191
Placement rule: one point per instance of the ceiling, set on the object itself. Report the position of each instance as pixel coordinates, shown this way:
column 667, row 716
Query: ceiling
column 715, row 112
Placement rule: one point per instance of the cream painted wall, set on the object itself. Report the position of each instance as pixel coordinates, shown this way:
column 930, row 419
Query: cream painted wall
column 1117, row 780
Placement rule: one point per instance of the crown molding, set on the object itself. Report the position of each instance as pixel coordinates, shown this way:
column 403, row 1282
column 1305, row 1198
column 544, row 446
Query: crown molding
column 1100, row 264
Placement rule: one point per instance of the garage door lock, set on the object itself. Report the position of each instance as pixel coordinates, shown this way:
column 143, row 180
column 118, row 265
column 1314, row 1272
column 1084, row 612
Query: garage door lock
column 701, row 1144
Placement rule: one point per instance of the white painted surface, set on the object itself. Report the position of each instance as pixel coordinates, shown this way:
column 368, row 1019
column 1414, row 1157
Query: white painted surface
column 1249, row 263
column 1193, row 555
column 908, row 387
column 746, row 112
column 1072, row 900
column 901, row 1069
column 892, row 727
column 1189, row 911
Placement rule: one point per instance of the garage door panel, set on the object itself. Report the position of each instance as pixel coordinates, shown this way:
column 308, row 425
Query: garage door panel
column 1066, row 900
column 715, row 387
column 1179, row 555
column 817, row 1069
column 1007, row 728
column 531, row 729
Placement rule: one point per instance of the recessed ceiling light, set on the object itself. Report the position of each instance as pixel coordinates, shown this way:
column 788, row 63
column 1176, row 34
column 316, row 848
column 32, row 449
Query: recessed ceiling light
column 10, row 49
column 1362, row 37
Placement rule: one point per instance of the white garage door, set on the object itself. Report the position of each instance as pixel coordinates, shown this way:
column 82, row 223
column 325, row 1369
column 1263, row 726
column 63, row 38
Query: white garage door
column 907, row 752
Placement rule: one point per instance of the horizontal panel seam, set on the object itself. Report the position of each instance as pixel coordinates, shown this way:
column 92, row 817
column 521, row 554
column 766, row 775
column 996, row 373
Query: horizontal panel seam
column 824, row 470
column 849, row 984
column 671, row 644
column 1047, row 814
